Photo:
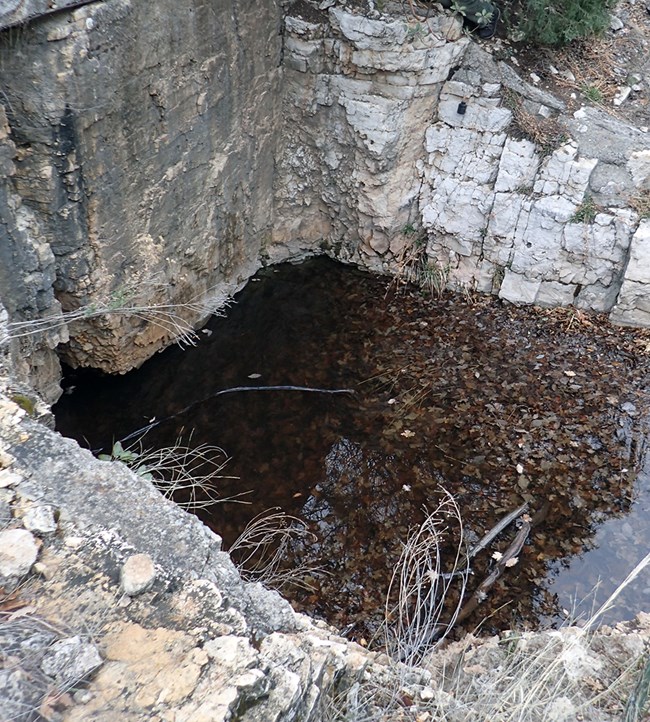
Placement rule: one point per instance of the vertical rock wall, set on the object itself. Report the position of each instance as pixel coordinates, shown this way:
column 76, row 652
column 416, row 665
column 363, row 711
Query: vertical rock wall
column 355, row 91
column 155, row 155
column 144, row 141
column 512, row 196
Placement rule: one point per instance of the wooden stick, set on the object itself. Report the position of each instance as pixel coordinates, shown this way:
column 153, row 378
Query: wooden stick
column 512, row 552
column 497, row 529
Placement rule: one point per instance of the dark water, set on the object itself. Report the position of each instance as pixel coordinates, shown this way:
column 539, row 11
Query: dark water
column 497, row 405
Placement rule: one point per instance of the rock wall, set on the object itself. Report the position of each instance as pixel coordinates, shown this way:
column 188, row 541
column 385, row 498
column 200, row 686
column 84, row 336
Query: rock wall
column 511, row 196
column 355, row 89
column 155, row 158
column 143, row 151
column 138, row 594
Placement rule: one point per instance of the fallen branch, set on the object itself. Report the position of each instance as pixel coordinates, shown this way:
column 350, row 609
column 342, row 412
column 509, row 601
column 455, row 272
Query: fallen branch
column 497, row 529
column 509, row 559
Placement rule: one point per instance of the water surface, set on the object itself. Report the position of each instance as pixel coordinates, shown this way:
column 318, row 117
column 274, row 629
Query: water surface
column 495, row 404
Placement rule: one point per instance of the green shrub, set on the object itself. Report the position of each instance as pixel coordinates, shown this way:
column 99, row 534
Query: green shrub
column 558, row 22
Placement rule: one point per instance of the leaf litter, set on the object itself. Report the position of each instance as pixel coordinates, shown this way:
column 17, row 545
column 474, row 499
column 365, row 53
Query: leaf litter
column 498, row 405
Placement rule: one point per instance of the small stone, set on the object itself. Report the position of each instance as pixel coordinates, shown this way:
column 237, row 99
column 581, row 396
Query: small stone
column 622, row 95
column 553, row 70
column 82, row 696
column 137, row 575
column 73, row 542
column 71, row 660
column 629, row 408
column 535, row 78
column 615, row 23
column 9, row 478
column 18, row 551
column 569, row 76
column 40, row 519
column 42, row 569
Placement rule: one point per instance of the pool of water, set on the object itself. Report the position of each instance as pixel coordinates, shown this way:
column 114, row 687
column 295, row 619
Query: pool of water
column 495, row 404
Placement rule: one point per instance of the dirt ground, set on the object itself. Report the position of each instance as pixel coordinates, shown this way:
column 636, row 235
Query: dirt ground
column 594, row 70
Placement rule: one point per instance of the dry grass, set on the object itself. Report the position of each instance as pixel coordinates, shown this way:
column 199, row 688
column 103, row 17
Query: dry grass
column 546, row 133
column 421, row 583
column 188, row 475
column 261, row 550
column 530, row 677
column 592, row 63
column 172, row 319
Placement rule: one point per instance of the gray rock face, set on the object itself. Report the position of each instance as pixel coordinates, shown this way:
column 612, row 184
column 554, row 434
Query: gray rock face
column 18, row 552
column 71, row 660
column 141, row 177
column 155, row 162
column 40, row 519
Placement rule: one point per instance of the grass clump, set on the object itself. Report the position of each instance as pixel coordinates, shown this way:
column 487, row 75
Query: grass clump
column 586, row 212
column 592, row 93
column 546, row 133
column 188, row 475
column 641, row 203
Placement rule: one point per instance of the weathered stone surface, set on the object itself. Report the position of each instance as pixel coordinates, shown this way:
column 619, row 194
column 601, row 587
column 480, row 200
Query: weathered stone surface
column 40, row 519
column 14, row 12
column 71, row 660
column 137, row 574
column 132, row 181
column 633, row 303
column 18, row 552
column 199, row 652
column 355, row 138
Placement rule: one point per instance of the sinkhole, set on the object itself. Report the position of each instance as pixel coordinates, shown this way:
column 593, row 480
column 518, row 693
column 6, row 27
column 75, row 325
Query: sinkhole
column 494, row 405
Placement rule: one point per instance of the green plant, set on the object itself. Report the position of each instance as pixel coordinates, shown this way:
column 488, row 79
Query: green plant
column 558, row 22
column 586, row 212
column 413, row 32
column 128, row 457
column 591, row 92
column 25, row 403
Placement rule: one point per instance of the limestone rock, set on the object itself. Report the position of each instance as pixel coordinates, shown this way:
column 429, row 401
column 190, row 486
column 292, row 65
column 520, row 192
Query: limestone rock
column 18, row 552
column 71, row 660
column 9, row 478
column 137, row 574
column 40, row 519
column 633, row 303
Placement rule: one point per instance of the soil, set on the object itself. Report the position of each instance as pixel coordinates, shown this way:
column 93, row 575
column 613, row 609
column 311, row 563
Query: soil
column 593, row 70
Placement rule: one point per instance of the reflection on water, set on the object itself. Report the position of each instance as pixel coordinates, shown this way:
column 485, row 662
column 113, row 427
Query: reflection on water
column 496, row 404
